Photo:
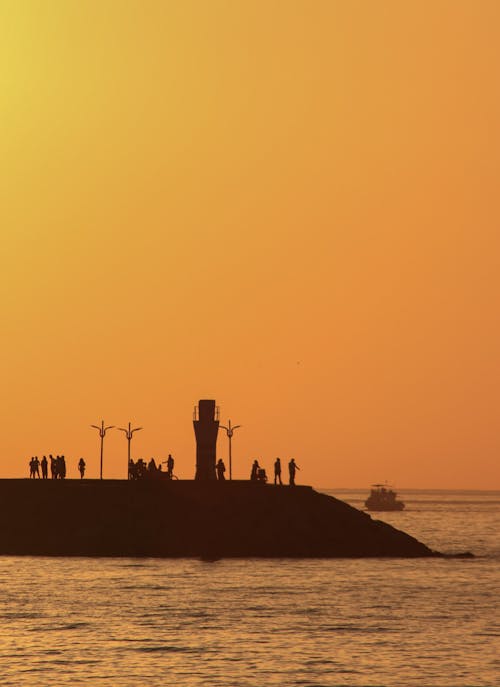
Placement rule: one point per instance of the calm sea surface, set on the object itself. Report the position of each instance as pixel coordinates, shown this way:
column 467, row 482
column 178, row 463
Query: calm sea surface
column 253, row 622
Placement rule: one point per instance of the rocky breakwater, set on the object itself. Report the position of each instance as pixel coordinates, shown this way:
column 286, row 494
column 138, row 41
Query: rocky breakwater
column 188, row 518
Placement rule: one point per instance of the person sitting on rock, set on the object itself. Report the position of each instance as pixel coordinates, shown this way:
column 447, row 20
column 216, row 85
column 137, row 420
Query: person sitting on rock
column 132, row 470
column 141, row 469
column 261, row 475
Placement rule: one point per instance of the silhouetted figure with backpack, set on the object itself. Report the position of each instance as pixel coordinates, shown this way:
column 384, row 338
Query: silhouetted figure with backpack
column 292, row 466
column 81, row 468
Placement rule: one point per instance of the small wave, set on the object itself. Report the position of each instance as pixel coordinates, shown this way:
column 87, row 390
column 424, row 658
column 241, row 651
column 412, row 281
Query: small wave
column 148, row 587
column 36, row 669
column 60, row 628
column 359, row 629
column 164, row 649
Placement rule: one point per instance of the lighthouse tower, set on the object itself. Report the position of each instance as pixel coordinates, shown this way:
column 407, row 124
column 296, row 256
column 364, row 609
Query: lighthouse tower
column 206, row 426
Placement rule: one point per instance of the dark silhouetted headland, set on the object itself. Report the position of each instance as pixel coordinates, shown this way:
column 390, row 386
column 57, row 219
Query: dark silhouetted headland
column 209, row 517
column 188, row 518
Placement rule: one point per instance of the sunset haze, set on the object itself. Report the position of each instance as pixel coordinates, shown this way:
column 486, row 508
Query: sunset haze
column 289, row 207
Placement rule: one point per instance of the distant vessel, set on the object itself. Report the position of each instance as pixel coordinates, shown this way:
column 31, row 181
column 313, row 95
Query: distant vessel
column 382, row 498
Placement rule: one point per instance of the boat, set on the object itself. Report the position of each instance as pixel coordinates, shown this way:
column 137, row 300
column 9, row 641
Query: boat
column 383, row 498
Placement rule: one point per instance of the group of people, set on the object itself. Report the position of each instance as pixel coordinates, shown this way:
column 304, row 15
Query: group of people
column 258, row 474
column 57, row 467
column 142, row 470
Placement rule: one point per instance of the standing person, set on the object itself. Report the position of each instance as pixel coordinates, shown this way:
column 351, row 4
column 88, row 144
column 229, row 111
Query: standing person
column 170, row 466
column 32, row 467
column 53, row 466
column 292, row 466
column 221, row 469
column 36, row 467
column 254, row 475
column 277, row 471
column 61, row 467
column 81, row 467
column 44, row 465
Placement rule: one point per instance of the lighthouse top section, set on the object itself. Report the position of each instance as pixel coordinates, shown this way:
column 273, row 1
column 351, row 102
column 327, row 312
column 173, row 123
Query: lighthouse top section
column 206, row 427
column 206, row 410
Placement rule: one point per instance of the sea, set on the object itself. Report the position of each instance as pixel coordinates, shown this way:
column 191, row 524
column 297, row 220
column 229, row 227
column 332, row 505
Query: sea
column 126, row 622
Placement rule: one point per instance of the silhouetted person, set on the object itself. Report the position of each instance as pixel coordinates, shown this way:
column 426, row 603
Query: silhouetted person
column 53, row 466
column 277, row 471
column 132, row 470
column 254, row 475
column 36, row 467
column 32, row 467
column 170, row 466
column 61, row 467
column 291, row 470
column 81, row 468
column 261, row 475
column 152, row 465
column 221, row 469
column 44, row 465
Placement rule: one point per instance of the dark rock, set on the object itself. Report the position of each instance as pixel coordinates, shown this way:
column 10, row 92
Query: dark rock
column 189, row 519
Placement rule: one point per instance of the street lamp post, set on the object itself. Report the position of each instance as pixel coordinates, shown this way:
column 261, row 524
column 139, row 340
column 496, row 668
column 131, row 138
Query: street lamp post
column 229, row 432
column 129, row 433
column 102, row 433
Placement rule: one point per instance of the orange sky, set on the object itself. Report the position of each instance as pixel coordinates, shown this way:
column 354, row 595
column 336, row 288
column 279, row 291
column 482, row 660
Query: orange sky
column 290, row 207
